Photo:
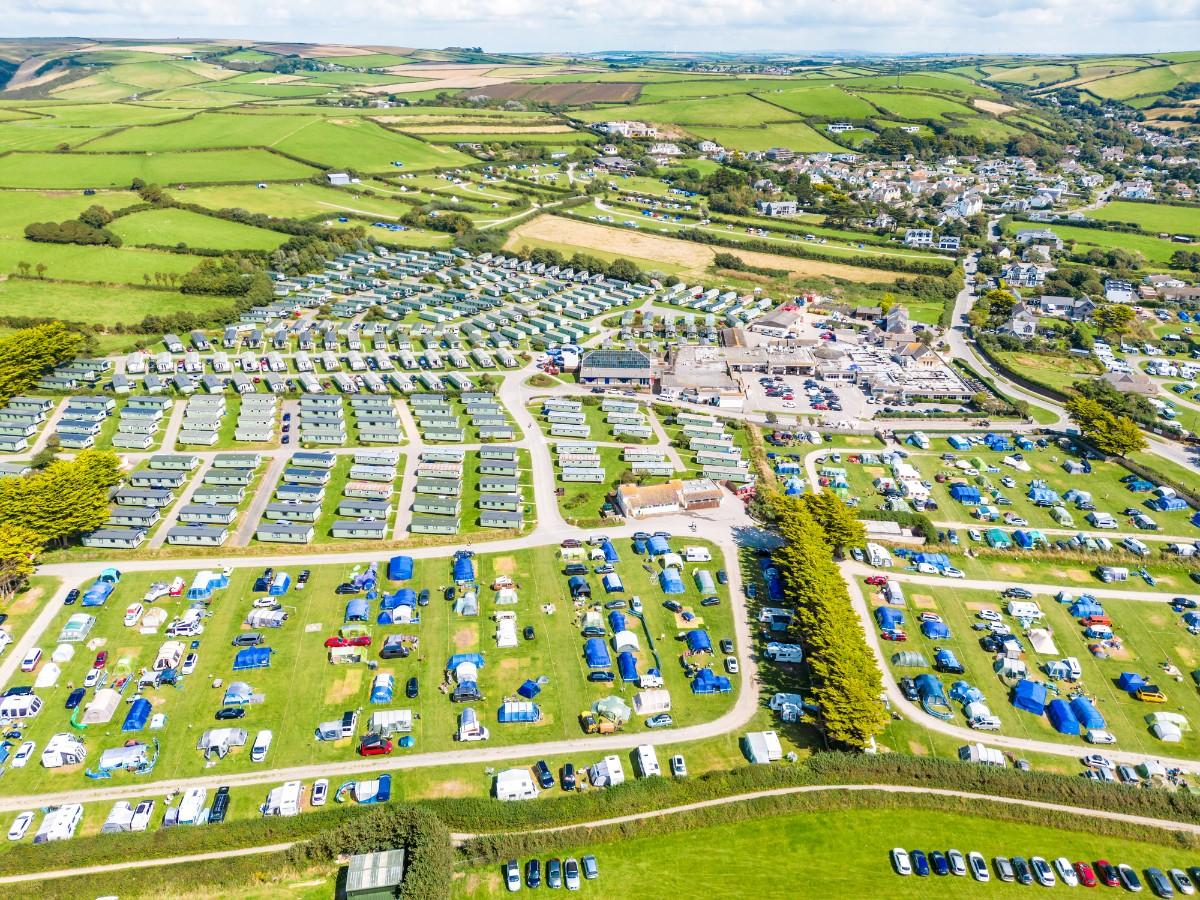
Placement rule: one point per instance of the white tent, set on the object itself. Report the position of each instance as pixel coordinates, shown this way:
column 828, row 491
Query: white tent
column 153, row 620
column 762, row 747
column 48, row 676
column 466, row 671
column 63, row 653
column 100, row 711
column 672, row 561
column 1167, row 732
column 506, row 632
column 1042, row 641
column 976, row 710
column 467, row 604
column 649, row 703
column 506, row 597
column 626, row 641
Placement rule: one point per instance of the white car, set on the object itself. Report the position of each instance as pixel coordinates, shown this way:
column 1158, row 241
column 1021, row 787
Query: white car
column 320, row 792
column 1096, row 736
column 189, row 664
column 142, row 813
column 20, row 826
column 133, row 614
column 31, row 660
column 266, row 603
column 678, row 766
column 1096, row 761
column 973, row 534
column 21, row 757
column 1066, row 872
column 951, row 572
column 927, row 568
column 988, row 615
column 978, row 866
column 901, row 862
column 731, row 665
column 92, row 678
column 789, row 404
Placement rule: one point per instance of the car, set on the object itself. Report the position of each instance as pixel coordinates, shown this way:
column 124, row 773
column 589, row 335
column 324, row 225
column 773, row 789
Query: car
column 1042, row 872
column 1017, row 593
column 302, row 580
column 228, row 713
column 92, row 678
column 571, row 873
column 678, row 766
column 1066, row 872
column 72, row 596
column 31, row 660
column 900, row 861
column 374, row 745
column 1149, row 693
column 591, row 869
column 566, row 777
column 711, row 601
column 512, row 875
column 662, row 720
column 1096, row 761
column 952, row 572
column 908, row 687
column 553, row 873
column 958, row 864
column 1160, row 884
column 722, row 576
column 533, row 873
column 1021, row 870
column 876, row 580
column 988, row 615
column 21, row 757
column 220, row 806
column 920, row 863
column 249, row 639
column 893, row 634
column 1107, row 873
column 937, row 860
column 1086, row 876
column 1129, row 878
column 978, row 866
column 976, row 535
column 601, row 677
column 726, row 646
column 423, row 597
column 20, row 826
column 359, row 640
column 1098, row 736
column 543, row 774
column 75, row 698
column 345, row 588
column 1185, row 603
column 189, row 664
column 1182, row 881
column 101, row 660
column 412, row 688
column 529, row 632
column 1004, row 869
column 731, row 665
column 320, row 792
column 672, row 606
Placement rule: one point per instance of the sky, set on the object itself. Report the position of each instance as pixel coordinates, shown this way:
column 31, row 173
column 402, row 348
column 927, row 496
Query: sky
column 794, row 26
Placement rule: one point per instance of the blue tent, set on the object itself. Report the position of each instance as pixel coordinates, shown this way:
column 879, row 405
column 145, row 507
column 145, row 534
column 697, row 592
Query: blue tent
column 706, row 682
column 518, row 711
column 965, row 692
column 698, row 641
column 1196, row 519
column 1030, row 696
column 639, row 546
column 453, row 662
column 358, row 610
column 889, row 617
column 964, row 493
column 252, row 658
column 97, row 594
column 945, row 661
column 1027, row 539
column 1062, row 717
column 595, row 653
column 1024, row 443
column 579, row 586
column 794, row 486
column 773, row 583
column 1168, row 504
column 935, row 631
column 1086, row 606
column 1042, row 496
column 938, row 560
column 382, row 688
column 996, row 441
column 464, row 568
column 670, row 582
column 610, row 552
column 139, row 713
column 529, row 689
column 1140, row 485
column 402, row 597
column 612, row 583
column 958, row 442
column 1087, row 714
column 400, row 568
column 704, row 581
column 627, row 666
column 659, row 546
column 616, row 621
column 1129, row 681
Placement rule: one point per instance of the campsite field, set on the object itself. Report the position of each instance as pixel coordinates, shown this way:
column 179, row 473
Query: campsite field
column 96, row 303
column 301, row 689
column 836, row 855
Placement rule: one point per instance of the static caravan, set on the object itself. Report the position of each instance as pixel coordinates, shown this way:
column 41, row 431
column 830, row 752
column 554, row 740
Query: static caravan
column 277, row 532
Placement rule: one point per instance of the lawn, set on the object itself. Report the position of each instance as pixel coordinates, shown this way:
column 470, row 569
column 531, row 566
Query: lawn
column 97, row 303
column 1034, row 75
column 794, row 135
column 733, row 110
column 1155, row 217
column 1058, row 372
column 828, row 100
column 906, row 105
column 101, row 170
column 302, row 689
column 843, row 854
column 1156, row 250
column 300, row 201
column 363, row 145
column 182, row 226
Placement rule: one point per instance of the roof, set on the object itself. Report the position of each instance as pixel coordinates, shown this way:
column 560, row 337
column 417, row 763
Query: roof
column 371, row 871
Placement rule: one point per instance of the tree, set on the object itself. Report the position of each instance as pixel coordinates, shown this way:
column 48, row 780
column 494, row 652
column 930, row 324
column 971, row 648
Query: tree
column 841, row 528
column 41, row 270
column 27, row 354
column 1114, row 318
column 1118, row 435
column 19, row 546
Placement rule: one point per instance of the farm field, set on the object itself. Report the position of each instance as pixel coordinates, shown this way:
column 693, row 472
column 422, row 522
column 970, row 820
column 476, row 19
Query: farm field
column 794, row 135
column 1034, row 75
column 1157, row 251
column 1156, row 217
column 98, row 303
column 299, row 201
column 836, row 855
column 820, row 101
column 917, row 106
column 101, row 170
column 182, row 226
column 315, row 612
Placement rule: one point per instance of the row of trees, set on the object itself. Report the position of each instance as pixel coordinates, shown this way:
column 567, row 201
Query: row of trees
column 846, row 680
column 26, row 355
column 1109, row 432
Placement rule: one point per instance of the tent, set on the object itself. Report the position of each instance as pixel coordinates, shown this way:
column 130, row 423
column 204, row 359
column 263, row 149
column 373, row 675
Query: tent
column 965, row 693
column 464, row 568
column 401, row 615
column 671, row 561
column 627, row 666
column 237, row 694
column 1028, row 539
column 596, row 654
column 97, row 594
column 889, row 618
column 519, row 711
column 1140, row 485
column 1168, row 504
column 48, row 676
column 383, row 686
column 1167, row 732
column 1062, row 717
column 1086, row 713
column 1030, row 696
column 400, row 568
column 100, row 711
column 958, row 442
column 467, row 604
column 252, row 658
column 945, row 661
column 626, row 642
column 402, row 597
column 997, row 539
column 704, row 581
column 698, row 641
column 996, row 441
column 706, row 682
column 670, row 582
column 610, row 552
column 659, row 545
column 616, row 620
column 612, row 583
column 1086, row 606
column 1130, row 681
column 649, row 703
column 964, row 493
column 1041, row 496
column 762, row 747
column 136, row 718
column 529, row 689
column 935, row 631
column 358, row 610
column 910, row 659
column 612, row 708
column 579, row 587
column 1042, row 641
column 506, row 596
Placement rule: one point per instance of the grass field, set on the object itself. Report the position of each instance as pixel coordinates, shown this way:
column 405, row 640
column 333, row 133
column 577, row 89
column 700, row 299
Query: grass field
column 794, row 135
column 736, row 110
column 101, row 170
column 1058, row 372
column 917, row 106
column 1034, row 75
column 94, row 302
column 300, row 201
column 820, row 101
column 182, row 226
column 831, row 855
column 1155, row 217
column 1157, row 251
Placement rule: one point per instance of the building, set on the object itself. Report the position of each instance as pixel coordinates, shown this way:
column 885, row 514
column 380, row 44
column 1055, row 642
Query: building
column 776, row 208
column 676, row 495
column 626, row 129
column 626, row 368
column 839, row 127
column 374, row 876
column 337, row 178
column 1021, row 322
column 1118, row 291
column 918, row 237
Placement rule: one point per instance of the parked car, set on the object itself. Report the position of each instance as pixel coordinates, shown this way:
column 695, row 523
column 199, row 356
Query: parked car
column 72, row 596
column 20, row 826
column 1022, row 871
column 412, row 688
column 601, row 677
column 1129, row 878
column 220, row 806
column 512, row 876
column 228, row 713
column 958, row 863
column 920, row 863
column 533, row 873
column 359, row 640
column 374, row 745
column 662, row 720
column 571, row 874
column 900, row 861
column 249, row 639
column 678, row 766
column 1086, row 876
column 21, row 757
column 937, row 861
column 1182, row 881
column 320, row 792
column 591, row 869
column 1107, row 873
column 544, row 776
column 189, row 664
column 1004, row 869
column 1042, row 872
column 978, row 866
column 553, row 873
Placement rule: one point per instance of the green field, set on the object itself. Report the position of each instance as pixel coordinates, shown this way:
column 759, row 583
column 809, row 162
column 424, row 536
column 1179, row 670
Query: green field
column 735, row 110
column 182, row 226
column 366, row 60
column 917, row 106
column 300, row 201
column 821, row 101
column 1156, row 217
column 793, row 135
column 102, row 170
column 1157, row 251
column 96, row 302
column 842, row 853
column 1034, row 75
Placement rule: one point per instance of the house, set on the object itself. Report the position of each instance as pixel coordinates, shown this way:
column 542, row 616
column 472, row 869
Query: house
column 337, row 179
column 1023, row 274
column 839, row 127
column 279, row 532
column 776, row 208
column 1021, row 322
column 674, row 496
column 344, row 528
column 949, row 243
column 1118, row 291
column 629, row 368
column 1132, row 383
column 198, row 535
column 918, row 237
column 1027, row 236
column 491, row 518
column 1076, row 309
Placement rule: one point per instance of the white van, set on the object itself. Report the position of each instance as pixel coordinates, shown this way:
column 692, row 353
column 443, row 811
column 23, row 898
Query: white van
column 262, row 743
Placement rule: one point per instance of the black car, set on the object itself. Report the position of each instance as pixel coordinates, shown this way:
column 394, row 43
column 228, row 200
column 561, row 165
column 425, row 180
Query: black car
column 672, row 606
column 908, row 687
column 568, row 777
column 722, row 576
column 227, row 713
column 71, row 597
column 3, row 618
column 529, row 632
column 1185, row 603
column 423, row 597
column 220, row 806
column 726, row 645
column 448, row 594
column 711, row 601
column 75, row 698
column 544, row 776
column 1018, row 593
column 412, row 688
column 261, row 584
column 304, row 576
column 533, row 873
column 601, row 677
column 1021, row 870
column 393, row 650
column 575, row 569
column 345, row 588
column 1195, row 576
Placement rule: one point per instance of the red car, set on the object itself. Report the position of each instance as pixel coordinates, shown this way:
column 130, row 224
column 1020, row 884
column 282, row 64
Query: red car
column 1107, row 873
column 876, row 580
column 1086, row 876
column 820, row 406
column 101, row 659
column 374, row 745
column 361, row 640
column 897, row 636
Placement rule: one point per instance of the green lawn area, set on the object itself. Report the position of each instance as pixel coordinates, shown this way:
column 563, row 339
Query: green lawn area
column 1156, row 217
column 182, row 226
column 842, row 854
column 905, row 105
column 302, row 689
column 102, row 170
column 95, row 302
column 1058, row 372
column 793, row 135
column 299, row 201
column 827, row 100
column 1157, row 251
